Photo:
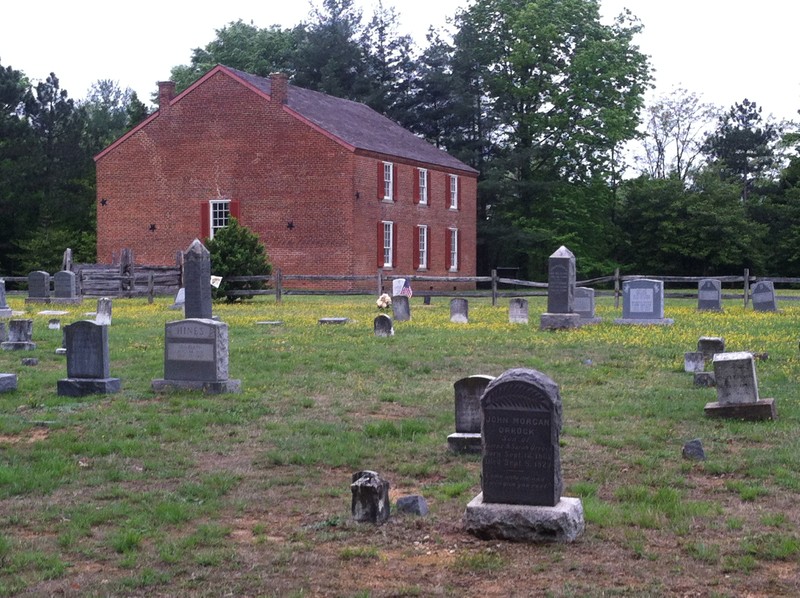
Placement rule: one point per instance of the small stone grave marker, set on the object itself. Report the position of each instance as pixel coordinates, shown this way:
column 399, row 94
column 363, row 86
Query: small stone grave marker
column 103, row 313
column 710, row 346
column 5, row 310
column 763, row 296
column 8, row 382
column 459, row 310
column 518, row 311
column 38, row 287
column 584, row 305
column 370, row 502
column 401, row 308
column 737, row 389
column 382, row 325
column 694, row 361
column 88, row 361
column 467, row 393
column 65, row 289
column 333, row 321
column 180, row 299
column 709, row 295
column 20, row 336
column 54, row 324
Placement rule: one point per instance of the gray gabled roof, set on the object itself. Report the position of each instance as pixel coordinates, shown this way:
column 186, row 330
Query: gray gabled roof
column 357, row 125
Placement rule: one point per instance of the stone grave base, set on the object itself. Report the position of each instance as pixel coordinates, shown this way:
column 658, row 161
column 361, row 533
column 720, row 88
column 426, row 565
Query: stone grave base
column 464, row 442
column 762, row 409
column 17, row 346
column 645, row 322
column 590, row 321
column 80, row 387
column 8, row 382
column 209, row 387
column 67, row 300
column 6, row 313
column 37, row 300
column 525, row 523
column 705, row 379
column 559, row 321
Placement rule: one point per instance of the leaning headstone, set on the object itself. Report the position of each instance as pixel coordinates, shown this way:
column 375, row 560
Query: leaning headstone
column 20, row 336
column 197, row 282
column 584, row 305
column 709, row 295
column 518, row 311
column 88, row 361
column 468, row 392
column 643, row 303
column 737, row 389
column 38, row 287
column 459, row 311
column 196, row 357
column 401, row 308
column 103, row 313
column 5, row 310
column 370, row 503
column 8, row 382
column 383, row 325
column 65, row 288
column 763, row 296
column 560, row 292
column 521, row 466
column 180, row 299
column 694, row 361
column 710, row 346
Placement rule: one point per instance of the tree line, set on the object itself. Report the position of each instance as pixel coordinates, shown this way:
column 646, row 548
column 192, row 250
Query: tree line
column 542, row 98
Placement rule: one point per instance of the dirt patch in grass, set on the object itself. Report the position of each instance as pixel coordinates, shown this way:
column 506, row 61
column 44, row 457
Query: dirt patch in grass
column 27, row 437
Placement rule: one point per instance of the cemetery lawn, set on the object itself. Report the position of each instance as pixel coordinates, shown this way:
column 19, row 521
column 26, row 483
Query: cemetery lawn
column 185, row 494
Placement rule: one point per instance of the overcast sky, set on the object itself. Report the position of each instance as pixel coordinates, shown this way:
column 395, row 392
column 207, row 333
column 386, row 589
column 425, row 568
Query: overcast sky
column 723, row 51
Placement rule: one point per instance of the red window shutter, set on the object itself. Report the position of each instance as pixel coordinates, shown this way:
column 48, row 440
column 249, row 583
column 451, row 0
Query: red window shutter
column 458, row 252
column 395, row 177
column 380, row 244
column 448, row 245
column 205, row 220
column 234, row 209
column 415, row 248
column 394, row 245
column 415, row 174
column 380, row 180
column 447, row 192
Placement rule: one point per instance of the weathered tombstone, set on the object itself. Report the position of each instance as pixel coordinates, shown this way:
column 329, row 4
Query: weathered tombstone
column 704, row 379
column 3, row 333
column 38, row 287
column 103, row 314
column 54, row 324
column 397, row 285
column 694, row 361
column 710, row 346
column 518, row 311
column 88, row 361
column 412, row 505
column 401, row 308
column 197, row 279
column 583, row 305
column 20, row 335
column 65, row 288
column 180, row 299
column 521, row 466
column 8, row 382
column 709, row 295
column 370, row 503
column 383, row 325
column 459, row 311
column 763, row 296
column 5, row 310
column 737, row 389
column 560, row 292
column 467, row 392
column 196, row 357
column 643, row 302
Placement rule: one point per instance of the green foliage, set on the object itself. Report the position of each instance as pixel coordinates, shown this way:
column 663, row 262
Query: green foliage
column 237, row 251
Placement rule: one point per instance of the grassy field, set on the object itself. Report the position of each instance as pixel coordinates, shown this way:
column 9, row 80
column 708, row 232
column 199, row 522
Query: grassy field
column 184, row 494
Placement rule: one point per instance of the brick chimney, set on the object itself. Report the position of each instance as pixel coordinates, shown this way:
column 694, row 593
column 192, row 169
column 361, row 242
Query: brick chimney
column 166, row 91
column 279, row 83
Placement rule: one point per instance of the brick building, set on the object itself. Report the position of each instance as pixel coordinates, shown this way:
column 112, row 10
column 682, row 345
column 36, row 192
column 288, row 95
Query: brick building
column 329, row 185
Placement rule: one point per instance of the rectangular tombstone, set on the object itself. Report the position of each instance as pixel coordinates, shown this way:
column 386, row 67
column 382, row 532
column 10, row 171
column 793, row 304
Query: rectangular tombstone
column 459, row 311
column 5, row 310
column 20, row 335
column 521, row 424
column 197, row 277
column 584, row 302
column 87, row 350
column 468, row 392
column 735, row 375
column 39, row 287
column 397, row 285
column 518, row 311
column 643, row 299
column 763, row 296
column 64, row 285
column 694, row 361
column 710, row 346
column 8, row 382
column 401, row 308
column 561, row 282
column 103, row 314
column 196, row 350
column 709, row 295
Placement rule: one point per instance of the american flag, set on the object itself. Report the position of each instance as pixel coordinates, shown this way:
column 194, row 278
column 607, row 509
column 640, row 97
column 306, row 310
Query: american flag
column 406, row 290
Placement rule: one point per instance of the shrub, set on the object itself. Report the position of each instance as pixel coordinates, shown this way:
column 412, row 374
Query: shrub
column 237, row 251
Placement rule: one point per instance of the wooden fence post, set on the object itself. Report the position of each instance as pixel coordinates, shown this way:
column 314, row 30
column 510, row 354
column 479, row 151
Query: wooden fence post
column 278, row 285
column 380, row 282
column 494, row 288
column 746, row 287
column 151, row 284
column 616, row 288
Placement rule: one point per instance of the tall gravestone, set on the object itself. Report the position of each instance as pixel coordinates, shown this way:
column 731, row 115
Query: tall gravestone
column 521, row 464
column 560, row 292
column 643, row 303
column 467, row 393
column 584, row 305
column 709, row 295
column 38, row 287
column 20, row 336
column 459, row 311
column 196, row 357
column 763, row 296
column 401, row 308
column 65, row 288
column 88, row 361
column 5, row 310
column 518, row 311
column 103, row 313
column 737, row 389
column 197, row 281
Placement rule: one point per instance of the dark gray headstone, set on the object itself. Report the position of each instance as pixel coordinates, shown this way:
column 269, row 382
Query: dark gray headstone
column 709, row 295
column 8, row 382
column 87, row 350
column 459, row 311
column 383, row 325
column 412, row 505
column 561, row 282
column 39, row 285
column 195, row 350
column 763, row 296
column 19, row 337
column 3, row 333
column 370, row 503
column 643, row 299
column 197, row 279
column 64, row 285
column 401, row 308
column 518, row 311
column 710, row 346
column 468, row 392
column 103, row 314
column 5, row 310
column 583, row 303
column 521, row 427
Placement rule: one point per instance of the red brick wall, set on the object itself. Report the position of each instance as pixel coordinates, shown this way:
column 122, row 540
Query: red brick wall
column 222, row 140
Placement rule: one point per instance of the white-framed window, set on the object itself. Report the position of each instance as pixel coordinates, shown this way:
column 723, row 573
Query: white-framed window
column 453, row 192
column 453, row 249
column 220, row 215
column 423, row 246
column 388, row 243
column 423, row 186
column 388, row 180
